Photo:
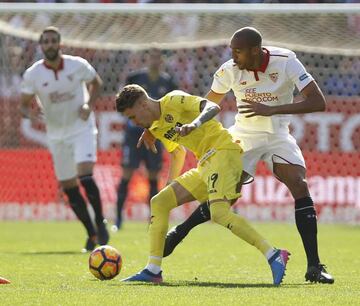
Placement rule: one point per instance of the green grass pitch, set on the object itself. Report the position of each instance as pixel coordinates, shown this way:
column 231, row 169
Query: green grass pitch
column 211, row 267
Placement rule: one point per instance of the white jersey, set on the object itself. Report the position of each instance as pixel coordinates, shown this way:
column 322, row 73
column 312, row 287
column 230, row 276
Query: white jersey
column 61, row 93
column 273, row 84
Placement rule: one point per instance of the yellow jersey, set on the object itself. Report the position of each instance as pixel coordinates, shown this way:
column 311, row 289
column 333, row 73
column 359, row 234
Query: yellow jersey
column 178, row 108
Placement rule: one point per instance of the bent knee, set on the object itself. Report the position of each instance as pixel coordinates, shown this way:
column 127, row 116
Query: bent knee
column 219, row 212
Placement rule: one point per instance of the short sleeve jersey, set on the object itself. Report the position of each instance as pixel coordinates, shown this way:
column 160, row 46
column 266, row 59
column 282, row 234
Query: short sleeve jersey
column 272, row 84
column 178, row 108
column 61, row 93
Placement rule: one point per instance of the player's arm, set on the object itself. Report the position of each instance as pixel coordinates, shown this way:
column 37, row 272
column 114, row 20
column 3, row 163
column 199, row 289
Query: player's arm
column 25, row 108
column 313, row 101
column 94, row 87
column 208, row 111
column 177, row 159
column 215, row 97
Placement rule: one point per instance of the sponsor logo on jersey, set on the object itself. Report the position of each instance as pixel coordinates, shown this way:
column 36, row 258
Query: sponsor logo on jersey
column 57, row 97
column 172, row 132
column 45, row 84
column 169, row 118
column 243, row 83
column 70, row 77
column 274, row 76
column 261, row 97
column 220, row 73
column 303, row 77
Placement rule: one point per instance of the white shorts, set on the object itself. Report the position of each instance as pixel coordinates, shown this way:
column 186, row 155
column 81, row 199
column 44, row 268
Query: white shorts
column 69, row 152
column 271, row 148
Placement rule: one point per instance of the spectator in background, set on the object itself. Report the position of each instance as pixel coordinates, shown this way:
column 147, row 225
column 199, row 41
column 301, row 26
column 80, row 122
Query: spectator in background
column 345, row 81
column 157, row 83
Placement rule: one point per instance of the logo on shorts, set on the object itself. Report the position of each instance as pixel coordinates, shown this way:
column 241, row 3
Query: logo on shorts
column 169, row 118
column 274, row 76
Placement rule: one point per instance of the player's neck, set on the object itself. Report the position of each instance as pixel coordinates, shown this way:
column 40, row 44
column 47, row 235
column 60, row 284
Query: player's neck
column 55, row 64
column 153, row 74
column 154, row 109
column 258, row 62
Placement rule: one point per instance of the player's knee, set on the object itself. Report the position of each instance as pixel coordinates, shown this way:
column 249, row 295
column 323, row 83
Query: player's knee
column 164, row 200
column 219, row 213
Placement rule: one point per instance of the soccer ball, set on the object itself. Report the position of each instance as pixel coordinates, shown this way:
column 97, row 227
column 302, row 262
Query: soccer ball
column 105, row 262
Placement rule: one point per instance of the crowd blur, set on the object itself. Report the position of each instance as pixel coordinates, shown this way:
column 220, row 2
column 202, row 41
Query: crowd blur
column 192, row 69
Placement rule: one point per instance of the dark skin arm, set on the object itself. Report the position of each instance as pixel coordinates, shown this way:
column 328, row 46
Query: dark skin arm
column 313, row 101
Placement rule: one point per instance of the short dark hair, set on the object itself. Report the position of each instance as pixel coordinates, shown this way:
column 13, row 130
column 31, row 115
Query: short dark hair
column 251, row 35
column 127, row 97
column 51, row 29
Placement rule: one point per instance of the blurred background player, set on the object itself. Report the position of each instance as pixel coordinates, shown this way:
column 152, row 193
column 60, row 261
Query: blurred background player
column 157, row 83
column 263, row 80
column 66, row 105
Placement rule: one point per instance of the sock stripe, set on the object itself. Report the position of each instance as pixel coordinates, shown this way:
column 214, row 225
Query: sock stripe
column 304, row 208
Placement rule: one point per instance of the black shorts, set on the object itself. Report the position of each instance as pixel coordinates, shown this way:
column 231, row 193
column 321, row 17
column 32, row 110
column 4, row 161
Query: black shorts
column 132, row 156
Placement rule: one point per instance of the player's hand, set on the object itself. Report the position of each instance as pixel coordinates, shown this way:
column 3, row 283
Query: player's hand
column 36, row 115
column 185, row 129
column 84, row 111
column 255, row 109
column 148, row 140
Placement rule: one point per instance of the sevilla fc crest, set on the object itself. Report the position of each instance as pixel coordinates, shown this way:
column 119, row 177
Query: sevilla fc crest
column 274, row 76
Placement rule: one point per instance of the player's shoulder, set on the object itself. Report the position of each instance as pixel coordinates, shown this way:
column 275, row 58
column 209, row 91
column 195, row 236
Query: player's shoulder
column 280, row 53
column 35, row 67
column 228, row 65
column 136, row 75
column 175, row 97
column 176, row 93
column 74, row 60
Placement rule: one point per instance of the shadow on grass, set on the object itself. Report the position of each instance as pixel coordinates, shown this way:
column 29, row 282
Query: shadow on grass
column 52, row 253
column 212, row 284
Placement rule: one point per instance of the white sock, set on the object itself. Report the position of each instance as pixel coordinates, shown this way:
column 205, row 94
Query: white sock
column 153, row 268
column 270, row 253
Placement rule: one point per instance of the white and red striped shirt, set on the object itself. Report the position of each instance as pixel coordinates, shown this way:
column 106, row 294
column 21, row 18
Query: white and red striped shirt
column 272, row 84
column 61, row 92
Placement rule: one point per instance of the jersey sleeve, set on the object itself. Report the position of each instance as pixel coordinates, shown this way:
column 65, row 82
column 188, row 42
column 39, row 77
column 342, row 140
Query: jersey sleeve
column 297, row 73
column 183, row 102
column 87, row 71
column 222, row 80
column 27, row 84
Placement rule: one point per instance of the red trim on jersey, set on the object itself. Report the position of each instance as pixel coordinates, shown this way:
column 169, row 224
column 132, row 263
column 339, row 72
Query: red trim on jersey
column 264, row 64
column 60, row 67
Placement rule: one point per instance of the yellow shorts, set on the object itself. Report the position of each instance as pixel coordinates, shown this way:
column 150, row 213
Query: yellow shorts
column 216, row 178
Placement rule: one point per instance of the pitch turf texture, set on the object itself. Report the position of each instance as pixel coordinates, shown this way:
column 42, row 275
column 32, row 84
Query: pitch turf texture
column 211, row 267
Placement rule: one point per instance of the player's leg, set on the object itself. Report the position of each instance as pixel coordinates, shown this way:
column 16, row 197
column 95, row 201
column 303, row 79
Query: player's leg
column 131, row 157
column 161, row 205
column 202, row 212
column 85, row 147
column 153, row 162
column 200, row 215
column 65, row 169
column 78, row 205
column 122, row 192
column 293, row 176
column 288, row 165
column 223, row 179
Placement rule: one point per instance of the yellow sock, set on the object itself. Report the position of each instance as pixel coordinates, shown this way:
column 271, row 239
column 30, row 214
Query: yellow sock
column 161, row 205
column 221, row 214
